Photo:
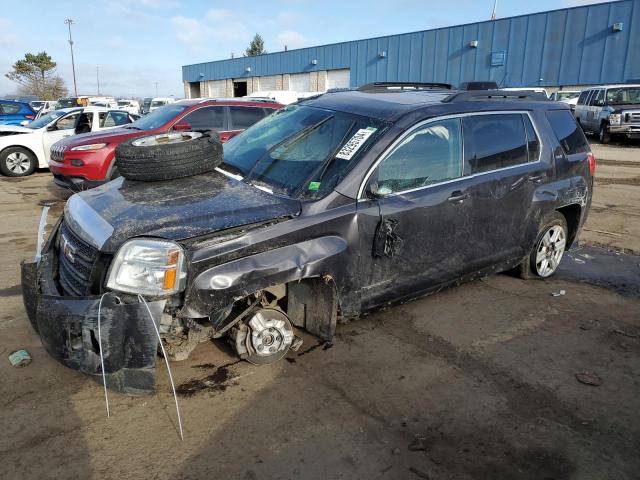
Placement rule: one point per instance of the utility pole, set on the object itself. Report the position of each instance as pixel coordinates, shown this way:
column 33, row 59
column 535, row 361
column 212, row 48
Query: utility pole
column 98, row 78
column 495, row 7
column 156, row 89
column 70, row 22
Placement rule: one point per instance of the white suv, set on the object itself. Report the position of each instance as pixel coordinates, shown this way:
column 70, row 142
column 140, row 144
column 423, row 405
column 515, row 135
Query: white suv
column 23, row 149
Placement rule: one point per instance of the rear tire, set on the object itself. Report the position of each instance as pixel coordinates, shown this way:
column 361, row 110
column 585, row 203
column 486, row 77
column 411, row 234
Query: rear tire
column 548, row 250
column 17, row 162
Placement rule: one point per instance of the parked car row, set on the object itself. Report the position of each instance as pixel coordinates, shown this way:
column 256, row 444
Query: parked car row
column 25, row 148
column 83, row 156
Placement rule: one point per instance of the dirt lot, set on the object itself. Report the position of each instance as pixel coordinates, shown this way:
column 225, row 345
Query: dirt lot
column 474, row 382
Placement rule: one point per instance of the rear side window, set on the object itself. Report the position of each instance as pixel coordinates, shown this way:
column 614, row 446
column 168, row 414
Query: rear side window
column 582, row 99
column 493, row 142
column 207, row 118
column 10, row 109
column 567, row 131
column 244, row 117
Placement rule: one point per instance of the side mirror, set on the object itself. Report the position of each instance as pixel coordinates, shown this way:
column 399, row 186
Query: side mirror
column 52, row 128
column 372, row 191
column 182, row 126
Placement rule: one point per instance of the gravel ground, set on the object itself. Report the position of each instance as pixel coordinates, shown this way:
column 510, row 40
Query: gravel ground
column 479, row 381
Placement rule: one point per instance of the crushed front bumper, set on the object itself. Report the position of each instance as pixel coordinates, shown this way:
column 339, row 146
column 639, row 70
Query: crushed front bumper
column 68, row 327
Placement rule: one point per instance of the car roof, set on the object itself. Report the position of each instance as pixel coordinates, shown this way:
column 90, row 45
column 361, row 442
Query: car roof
column 228, row 101
column 390, row 106
column 617, row 85
column 14, row 102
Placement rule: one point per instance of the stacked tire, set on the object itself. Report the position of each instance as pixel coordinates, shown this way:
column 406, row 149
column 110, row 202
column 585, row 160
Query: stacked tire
column 168, row 156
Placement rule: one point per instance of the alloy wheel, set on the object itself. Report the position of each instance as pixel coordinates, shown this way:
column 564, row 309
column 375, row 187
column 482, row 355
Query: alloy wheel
column 18, row 162
column 550, row 250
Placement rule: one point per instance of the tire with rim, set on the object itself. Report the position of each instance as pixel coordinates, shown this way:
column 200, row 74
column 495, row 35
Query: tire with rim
column 17, row 162
column 548, row 250
column 168, row 155
column 603, row 134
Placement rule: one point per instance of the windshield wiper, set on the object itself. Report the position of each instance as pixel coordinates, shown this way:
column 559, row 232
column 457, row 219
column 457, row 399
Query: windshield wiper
column 131, row 127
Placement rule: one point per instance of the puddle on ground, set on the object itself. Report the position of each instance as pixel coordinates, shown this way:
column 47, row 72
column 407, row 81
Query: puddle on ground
column 603, row 268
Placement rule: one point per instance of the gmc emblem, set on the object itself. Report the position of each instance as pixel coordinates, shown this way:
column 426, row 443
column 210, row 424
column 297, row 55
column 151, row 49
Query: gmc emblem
column 68, row 250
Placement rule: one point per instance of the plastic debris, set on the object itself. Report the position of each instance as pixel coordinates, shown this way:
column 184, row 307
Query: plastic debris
column 20, row 358
column 559, row 294
column 589, row 378
column 418, row 445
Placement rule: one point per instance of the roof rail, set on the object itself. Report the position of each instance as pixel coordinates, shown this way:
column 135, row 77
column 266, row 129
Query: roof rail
column 381, row 87
column 495, row 95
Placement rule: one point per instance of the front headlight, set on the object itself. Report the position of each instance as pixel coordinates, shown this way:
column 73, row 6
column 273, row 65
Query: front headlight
column 92, row 146
column 149, row 267
column 615, row 118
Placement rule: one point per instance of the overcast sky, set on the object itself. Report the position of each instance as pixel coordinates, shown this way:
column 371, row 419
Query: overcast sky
column 136, row 43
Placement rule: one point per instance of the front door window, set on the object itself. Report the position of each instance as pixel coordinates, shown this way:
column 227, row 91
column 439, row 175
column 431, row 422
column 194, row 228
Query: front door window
column 431, row 154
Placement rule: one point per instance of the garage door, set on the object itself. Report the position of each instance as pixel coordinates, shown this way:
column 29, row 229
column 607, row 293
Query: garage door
column 338, row 78
column 268, row 83
column 216, row 89
column 300, row 82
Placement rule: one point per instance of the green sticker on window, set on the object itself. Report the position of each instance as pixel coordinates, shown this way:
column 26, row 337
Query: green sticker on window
column 314, row 186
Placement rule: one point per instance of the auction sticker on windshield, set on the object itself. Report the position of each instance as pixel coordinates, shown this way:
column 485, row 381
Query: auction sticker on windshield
column 353, row 145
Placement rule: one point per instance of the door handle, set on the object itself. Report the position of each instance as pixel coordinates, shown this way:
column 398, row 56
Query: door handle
column 458, row 197
column 536, row 178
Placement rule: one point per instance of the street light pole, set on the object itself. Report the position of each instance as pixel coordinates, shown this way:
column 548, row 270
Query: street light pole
column 156, row 89
column 70, row 22
column 98, row 78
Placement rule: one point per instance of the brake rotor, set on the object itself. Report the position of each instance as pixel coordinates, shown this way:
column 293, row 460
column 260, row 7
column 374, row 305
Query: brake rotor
column 269, row 338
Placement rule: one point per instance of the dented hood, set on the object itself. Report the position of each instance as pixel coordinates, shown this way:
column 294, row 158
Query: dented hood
column 175, row 209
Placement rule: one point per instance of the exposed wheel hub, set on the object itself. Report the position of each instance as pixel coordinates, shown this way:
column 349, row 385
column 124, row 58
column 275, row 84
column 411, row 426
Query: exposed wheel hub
column 265, row 338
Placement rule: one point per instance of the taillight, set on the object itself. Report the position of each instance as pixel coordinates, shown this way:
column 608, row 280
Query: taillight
column 592, row 163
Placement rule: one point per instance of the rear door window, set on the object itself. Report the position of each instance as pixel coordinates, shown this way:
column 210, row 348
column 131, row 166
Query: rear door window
column 243, row 117
column 430, row 154
column 567, row 131
column 495, row 141
column 206, row 118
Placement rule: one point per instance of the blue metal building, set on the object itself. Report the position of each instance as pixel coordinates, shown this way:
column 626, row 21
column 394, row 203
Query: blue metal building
column 592, row 44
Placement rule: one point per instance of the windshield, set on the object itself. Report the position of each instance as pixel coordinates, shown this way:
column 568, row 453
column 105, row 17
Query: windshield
column 158, row 103
column 46, row 119
column 300, row 150
column 123, row 104
column 623, row 95
column 157, row 118
column 567, row 95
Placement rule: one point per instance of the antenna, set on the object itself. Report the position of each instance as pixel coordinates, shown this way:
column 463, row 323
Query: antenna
column 495, row 7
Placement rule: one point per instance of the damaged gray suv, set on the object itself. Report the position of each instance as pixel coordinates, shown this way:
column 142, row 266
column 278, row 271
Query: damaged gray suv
column 323, row 211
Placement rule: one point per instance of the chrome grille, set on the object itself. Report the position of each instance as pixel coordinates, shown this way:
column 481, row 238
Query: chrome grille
column 76, row 260
column 57, row 153
column 634, row 117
